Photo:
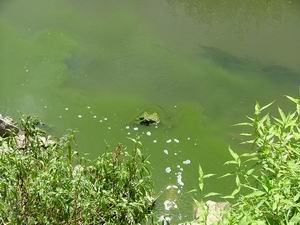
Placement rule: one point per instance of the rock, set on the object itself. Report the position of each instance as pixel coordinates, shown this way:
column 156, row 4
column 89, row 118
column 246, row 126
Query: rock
column 7, row 126
column 148, row 119
column 214, row 211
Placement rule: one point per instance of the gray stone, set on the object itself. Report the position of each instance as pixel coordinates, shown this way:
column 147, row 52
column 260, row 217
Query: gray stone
column 7, row 126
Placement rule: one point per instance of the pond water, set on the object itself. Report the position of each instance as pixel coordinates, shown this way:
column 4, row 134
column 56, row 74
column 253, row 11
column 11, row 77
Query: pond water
column 93, row 66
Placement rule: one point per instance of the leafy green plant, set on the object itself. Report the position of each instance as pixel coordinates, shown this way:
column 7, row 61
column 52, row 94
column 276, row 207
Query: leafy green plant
column 44, row 181
column 267, row 179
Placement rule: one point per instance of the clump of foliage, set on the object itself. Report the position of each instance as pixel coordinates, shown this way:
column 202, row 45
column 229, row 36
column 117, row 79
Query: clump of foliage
column 45, row 182
column 268, row 178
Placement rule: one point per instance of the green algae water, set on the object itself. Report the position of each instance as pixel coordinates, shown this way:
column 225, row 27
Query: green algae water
column 93, row 66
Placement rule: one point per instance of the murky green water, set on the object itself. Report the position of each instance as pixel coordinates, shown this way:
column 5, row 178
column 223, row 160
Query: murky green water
column 94, row 65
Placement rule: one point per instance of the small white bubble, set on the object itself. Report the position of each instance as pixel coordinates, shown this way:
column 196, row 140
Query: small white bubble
column 135, row 128
column 168, row 170
column 45, row 107
column 148, row 133
column 88, row 107
column 176, row 140
column 95, row 117
column 26, row 70
column 188, row 138
column 175, row 153
column 105, row 118
column 60, row 117
column 169, row 141
column 100, row 121
column 166, row 152
column 154, row 141
column 127, row 127
column 109, row 128
column 187, row 162
column 128, row 133
column 79, row 116
column 67, row 109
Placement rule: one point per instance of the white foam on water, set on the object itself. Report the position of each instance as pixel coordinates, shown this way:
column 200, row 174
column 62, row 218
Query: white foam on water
column 168, row 170
column 187, row 162
column 179, row 179
column 169, row 141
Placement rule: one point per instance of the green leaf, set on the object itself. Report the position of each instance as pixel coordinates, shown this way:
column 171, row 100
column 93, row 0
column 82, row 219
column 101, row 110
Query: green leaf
column 211, row 194
column 266, row 106
column 233, row 154
column 209, row 175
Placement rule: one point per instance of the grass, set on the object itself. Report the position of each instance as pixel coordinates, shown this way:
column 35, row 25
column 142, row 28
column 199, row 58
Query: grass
column 267, row 179
column 44, row 181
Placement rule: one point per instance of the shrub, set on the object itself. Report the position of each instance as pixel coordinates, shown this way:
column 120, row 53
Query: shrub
column 268, row 178
column 44, row 181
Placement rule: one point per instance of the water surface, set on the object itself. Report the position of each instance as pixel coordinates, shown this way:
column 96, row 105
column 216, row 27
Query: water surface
column 93, row 66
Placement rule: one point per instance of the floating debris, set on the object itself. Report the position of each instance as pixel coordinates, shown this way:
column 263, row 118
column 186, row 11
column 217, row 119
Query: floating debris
column 176, row 140
column 148, row 119
column 135, row 128
column 79, row 116
column 148, row 133
column 154, row 141
column 168, row 170
column 179, row 179
column 169, row 141
column 187, row 162
column 170, row 204
column 127, row 127
column 166, row 151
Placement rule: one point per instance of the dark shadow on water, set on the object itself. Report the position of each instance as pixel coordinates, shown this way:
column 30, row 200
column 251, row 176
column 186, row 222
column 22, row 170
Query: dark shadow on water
column 274, row 73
